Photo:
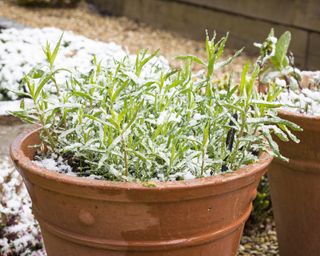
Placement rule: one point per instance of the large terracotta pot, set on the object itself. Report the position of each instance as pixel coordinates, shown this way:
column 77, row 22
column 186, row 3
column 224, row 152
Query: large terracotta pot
column 80, row 216
column 295, row 190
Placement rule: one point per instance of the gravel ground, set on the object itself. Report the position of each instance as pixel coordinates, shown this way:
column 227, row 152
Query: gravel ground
column 259, row 238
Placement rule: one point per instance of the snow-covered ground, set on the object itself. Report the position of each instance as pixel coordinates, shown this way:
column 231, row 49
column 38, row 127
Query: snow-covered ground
column 22, row 50
column 11, row 105
column 19, row 232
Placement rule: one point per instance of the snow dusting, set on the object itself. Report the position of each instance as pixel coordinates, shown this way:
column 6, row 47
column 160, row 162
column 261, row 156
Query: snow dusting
column 11, row 105
column 19, row 232
column 22, row 50
column 57, row 164
column 305, row 100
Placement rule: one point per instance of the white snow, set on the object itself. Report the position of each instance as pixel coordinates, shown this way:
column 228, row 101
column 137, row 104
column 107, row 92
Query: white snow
column 305, row 100
column 166, row 116
column 22, row 50
column 54, row 163
column 13, row 105
column 57, row 164
column 20, row 232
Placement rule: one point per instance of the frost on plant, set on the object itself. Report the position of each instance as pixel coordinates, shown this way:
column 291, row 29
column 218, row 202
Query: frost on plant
column 277, row 67
column 275, row 62
column 133, row 119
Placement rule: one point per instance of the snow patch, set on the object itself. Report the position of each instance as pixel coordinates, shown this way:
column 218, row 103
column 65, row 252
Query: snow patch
column 305, row 100
column 19, row 231
column 22, row 50
column 14, row 105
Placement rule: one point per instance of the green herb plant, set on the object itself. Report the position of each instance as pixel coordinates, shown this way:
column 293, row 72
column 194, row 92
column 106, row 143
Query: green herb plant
column 276, row 63
column 278, row 67
column 277, row 71
column 136, row 121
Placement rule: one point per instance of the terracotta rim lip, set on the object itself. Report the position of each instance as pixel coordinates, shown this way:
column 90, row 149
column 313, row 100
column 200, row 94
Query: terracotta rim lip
column 298, row 165
column 285, row 112
column 23, row 162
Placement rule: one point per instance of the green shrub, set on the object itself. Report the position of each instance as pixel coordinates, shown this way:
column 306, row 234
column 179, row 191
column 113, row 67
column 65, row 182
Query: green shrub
column 131, row 120
column 262, row 204
column 277, row 64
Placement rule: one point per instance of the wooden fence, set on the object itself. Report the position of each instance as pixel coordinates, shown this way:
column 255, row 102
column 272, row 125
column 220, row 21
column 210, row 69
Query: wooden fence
column 246, row 20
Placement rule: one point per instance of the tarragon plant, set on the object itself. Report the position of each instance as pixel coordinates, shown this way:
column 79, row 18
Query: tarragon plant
column 301, row 89
column 277, row 65
column 133, row 120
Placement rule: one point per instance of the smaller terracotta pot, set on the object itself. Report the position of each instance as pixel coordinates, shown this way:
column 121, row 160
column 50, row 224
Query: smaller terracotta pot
column 84, row 217
column 295, row 189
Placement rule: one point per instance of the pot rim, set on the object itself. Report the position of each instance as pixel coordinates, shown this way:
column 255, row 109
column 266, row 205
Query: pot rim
column 22, row 161
column 286, row 112
column 306, row 122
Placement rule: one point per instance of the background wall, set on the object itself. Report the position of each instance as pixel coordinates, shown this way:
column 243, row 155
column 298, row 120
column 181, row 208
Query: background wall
column 246, row 20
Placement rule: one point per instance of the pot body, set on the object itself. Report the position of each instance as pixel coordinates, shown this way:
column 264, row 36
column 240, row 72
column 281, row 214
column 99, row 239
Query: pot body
column 81, row 217
column 295, row 190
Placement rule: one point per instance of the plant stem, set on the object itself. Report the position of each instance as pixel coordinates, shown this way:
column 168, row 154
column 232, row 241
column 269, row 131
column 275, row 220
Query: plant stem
column 125, row 156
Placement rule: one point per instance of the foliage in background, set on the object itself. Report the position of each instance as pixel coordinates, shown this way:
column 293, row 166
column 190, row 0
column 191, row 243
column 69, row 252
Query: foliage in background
column 262, row 206
column 301, row 92
column 134, row 121
column 277, row 69
column 278, row 65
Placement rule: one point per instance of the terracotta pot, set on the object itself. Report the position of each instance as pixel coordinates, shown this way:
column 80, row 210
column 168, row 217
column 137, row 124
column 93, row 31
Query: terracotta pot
column 80, row 216
column 295, row 190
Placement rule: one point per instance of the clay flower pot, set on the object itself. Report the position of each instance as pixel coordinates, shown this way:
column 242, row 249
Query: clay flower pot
column 295, row 189
column 81, row 216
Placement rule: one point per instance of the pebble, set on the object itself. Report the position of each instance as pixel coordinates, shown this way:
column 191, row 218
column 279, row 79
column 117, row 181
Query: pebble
column 259, row 239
